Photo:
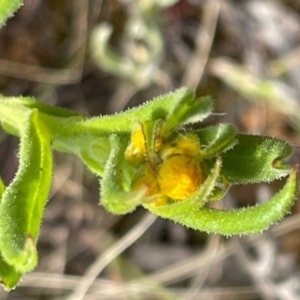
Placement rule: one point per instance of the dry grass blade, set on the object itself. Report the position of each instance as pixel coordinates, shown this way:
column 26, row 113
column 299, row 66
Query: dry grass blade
column 198, row 281
column 112, row 252
column 285, row 63
column 196, row 65
column 263, row 91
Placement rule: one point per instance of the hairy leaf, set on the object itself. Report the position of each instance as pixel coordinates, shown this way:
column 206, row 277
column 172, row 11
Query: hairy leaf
column 23, row 200
column 216, row 139
column 116, row 181
column 256, row 159
column 244, row 220
column 9, row 276
column 158, row 108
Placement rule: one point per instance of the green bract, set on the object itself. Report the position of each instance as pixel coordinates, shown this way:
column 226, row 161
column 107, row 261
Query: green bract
column 144, row 156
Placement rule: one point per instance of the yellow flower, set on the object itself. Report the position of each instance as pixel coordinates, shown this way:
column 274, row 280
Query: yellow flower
column 187, row 144
column 179, row 176
column 136, row 150
column 170, row 170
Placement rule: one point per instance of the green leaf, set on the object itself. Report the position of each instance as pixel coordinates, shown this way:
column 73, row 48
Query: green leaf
column 2, row 188
column 115, row 184
column 158, row 108
column 256, row 159
column 216, row 139
column 9, row 276
column 187, row 109
column 245, row 220
column 44, row 108
column 11, row 115
column 24, row 199
column 7, row 8
column 14, row 112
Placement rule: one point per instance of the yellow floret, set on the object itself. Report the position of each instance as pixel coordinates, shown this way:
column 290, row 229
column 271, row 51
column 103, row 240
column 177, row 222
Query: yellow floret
column 170, row 170
column 183, row 145
column 136, row 150
column 179, row 176
column 189, row 144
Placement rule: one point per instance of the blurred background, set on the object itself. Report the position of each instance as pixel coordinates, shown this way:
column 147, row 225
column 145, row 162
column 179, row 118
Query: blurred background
column 102, row 56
